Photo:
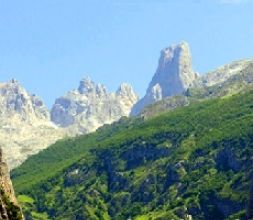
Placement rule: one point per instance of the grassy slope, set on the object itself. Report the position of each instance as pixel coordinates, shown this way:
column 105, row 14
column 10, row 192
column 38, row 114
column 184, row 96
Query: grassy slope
column 166, row 167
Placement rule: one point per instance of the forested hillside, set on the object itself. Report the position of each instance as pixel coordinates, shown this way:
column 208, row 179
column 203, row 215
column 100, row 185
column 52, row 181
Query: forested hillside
column 195, row 161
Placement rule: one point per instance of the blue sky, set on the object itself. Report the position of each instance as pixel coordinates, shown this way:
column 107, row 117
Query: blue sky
column 50, row 45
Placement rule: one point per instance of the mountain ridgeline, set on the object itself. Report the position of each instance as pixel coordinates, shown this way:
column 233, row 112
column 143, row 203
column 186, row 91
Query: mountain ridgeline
column 186, row 153
column 27, row 126
column 91, row 106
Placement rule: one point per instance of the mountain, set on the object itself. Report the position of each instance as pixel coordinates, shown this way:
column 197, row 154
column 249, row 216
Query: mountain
column 24, row 124
column 173, row 76
column 9, row 208
column 91, row 106
column 194, row 162
column 175, row 82
column 225, row 81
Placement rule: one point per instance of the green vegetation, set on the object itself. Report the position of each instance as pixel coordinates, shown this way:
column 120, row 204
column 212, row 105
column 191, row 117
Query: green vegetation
column 195, row 160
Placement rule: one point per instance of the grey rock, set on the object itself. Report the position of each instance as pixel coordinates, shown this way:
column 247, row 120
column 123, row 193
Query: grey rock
column 173, row 76
column 226, row 80
column 222, row 74
column 91, row 106
column 86, row 86
column 25, row 126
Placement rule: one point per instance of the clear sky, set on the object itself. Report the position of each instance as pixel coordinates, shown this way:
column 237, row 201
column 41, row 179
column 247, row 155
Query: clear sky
column 49, row 45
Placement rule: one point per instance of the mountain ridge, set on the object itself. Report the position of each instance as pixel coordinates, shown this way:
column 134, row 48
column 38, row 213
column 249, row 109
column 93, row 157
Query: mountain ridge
column 90, row 106
column 27, row 127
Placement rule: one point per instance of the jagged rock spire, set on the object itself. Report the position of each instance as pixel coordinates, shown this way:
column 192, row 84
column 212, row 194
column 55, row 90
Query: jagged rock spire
column 173, row 76
column 86, row 85
column 25, row 126
column 91, row 106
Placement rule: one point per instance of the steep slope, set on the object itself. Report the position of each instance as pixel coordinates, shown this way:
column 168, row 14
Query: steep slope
column 173, row 76
column 9, row 208
column 84, row 110
column 226, row 80
column 193, row 162
column 25, row 126
column 222, row 74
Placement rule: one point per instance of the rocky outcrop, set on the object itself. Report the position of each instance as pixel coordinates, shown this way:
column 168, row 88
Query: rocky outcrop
column 222, row 74
column 25, row 126
column 9, row 209
column 175, row 81
column 227, row 80
column 173, row 76
column 91, row 105
column 16, row 102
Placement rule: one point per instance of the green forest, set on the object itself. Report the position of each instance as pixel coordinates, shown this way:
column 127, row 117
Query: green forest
column 193, row 161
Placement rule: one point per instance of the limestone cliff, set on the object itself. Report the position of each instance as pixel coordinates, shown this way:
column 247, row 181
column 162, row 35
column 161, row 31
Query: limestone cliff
column 225, row 81
column 173, row 76
column 91, row 105
column 25, row 126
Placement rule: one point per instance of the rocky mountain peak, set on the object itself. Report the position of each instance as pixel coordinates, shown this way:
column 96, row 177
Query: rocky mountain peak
column 174, row 72
column 92, row 106
column 173, row 76
column 101, row 89
column 174, row 51
column 126, row 90
column 15, row 100
column 25, row 126
column 86, row 86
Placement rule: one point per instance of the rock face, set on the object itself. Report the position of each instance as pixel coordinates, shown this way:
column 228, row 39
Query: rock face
column 25, row 122
column 25, row 126
column 91, row 105
column 222, row 74
column 175, row 84
column 173, row 76
column 15, row 101
column 9, row 209
column 224, row 81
